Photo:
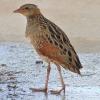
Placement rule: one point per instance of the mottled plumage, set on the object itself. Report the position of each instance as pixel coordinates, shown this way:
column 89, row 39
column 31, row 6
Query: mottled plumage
column 50, row 33
column 49, row 40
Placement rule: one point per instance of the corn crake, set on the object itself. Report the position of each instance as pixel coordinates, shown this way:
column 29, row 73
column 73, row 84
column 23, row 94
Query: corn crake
column 50, row 42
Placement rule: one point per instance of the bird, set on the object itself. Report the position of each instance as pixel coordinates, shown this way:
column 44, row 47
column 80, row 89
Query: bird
column 51, row 43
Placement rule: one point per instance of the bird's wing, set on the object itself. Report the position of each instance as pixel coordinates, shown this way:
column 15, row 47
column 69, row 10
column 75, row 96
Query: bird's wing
column 60, row 49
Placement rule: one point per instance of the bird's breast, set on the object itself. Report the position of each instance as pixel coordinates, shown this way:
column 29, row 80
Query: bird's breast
column 31, row 30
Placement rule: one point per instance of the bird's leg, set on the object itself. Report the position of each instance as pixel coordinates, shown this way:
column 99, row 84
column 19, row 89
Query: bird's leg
column 46, row 83
column 62, row 82
column 48, row 74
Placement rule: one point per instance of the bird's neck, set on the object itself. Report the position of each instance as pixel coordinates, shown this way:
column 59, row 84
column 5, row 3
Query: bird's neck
column 33, row 19
column 32, row 24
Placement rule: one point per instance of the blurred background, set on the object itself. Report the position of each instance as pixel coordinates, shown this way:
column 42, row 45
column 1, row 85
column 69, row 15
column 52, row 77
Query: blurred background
column 80, row 19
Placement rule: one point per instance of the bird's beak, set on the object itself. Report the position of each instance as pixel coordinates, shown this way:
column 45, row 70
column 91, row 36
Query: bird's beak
column 17, row 11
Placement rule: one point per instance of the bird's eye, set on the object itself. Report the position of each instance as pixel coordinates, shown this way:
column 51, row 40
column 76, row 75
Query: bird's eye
column 26, row 8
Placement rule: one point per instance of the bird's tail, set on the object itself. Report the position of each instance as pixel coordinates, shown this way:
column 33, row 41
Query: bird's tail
column 72, row 68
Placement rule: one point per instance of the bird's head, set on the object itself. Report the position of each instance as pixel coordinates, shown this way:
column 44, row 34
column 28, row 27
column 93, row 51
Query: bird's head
column 28, row 10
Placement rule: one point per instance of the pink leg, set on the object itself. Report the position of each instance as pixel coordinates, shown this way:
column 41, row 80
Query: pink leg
column 62, row 82
column 46, row 84
column 48, row 74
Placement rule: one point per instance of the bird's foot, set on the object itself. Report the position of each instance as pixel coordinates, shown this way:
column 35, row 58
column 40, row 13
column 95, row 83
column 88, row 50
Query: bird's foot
column 58, row 91
column 39, row 90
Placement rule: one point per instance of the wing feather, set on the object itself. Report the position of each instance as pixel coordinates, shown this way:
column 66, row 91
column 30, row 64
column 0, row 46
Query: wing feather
column 66, row 50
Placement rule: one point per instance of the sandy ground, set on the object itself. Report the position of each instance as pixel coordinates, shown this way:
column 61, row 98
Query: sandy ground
column 19, row 72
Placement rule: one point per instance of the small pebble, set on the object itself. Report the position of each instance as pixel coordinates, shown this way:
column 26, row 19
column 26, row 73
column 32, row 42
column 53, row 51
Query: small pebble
column 3, row 65
column 39, row 62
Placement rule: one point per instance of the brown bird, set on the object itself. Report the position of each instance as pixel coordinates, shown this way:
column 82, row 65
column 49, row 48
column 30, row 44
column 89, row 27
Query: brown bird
column 50, row 42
